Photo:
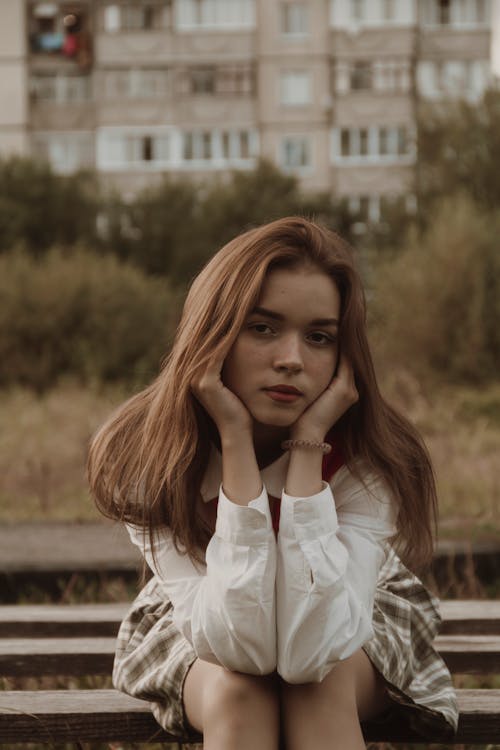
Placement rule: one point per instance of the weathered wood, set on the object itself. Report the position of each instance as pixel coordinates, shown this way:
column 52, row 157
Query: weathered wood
column 474, row 654
column 474, row 617
column 22, row 657
column 106, row 715
column 76, row 715
column 479, row 722
column 471, row 616
column 80, row 639
column 60, row 620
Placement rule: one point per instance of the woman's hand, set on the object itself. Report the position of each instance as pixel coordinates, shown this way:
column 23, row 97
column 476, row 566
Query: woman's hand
column 322, row 414
column 228, row 412
column 240, row 473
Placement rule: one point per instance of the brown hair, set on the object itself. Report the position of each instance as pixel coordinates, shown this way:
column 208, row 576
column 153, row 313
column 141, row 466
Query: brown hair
column 147, row 462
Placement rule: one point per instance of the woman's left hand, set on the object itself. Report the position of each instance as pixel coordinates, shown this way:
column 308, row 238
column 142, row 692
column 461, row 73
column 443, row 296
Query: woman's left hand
column 322, row 414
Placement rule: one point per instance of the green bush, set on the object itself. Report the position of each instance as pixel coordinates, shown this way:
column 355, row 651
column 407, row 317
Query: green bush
column 40, row 209
column 81, row 315
column 174, row 227
column 436, row 306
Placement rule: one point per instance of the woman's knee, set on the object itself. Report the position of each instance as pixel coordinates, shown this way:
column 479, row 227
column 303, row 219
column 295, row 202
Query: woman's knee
column 336, row 692
column 235, row 691
column 352, row 687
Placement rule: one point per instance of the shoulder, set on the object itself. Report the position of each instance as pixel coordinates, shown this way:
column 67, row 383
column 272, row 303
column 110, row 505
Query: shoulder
column 358, row 488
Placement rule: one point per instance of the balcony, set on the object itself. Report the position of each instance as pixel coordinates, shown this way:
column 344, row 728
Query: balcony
column 61, row 32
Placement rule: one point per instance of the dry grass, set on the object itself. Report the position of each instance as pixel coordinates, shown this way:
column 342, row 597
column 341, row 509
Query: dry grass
column 44, row 442
column 461, row 427
column 42, row 451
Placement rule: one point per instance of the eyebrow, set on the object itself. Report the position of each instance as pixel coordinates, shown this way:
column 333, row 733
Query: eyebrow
column 277, row 316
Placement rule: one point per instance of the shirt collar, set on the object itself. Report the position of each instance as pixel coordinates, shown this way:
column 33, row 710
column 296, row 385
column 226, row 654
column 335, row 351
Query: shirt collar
column 273, row 476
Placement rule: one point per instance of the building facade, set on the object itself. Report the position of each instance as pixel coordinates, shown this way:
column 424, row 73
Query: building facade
column 327, row 89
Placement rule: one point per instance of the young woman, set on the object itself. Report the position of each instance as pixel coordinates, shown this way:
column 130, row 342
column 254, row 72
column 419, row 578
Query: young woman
column 268, row 484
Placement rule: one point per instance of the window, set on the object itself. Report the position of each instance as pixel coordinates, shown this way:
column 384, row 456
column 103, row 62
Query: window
column 140, row 149
column 295, row 88
column 203, row 80
column 391, row 75
column 383, row 142
column 294, row 18
column 361, row 76
column 345, row 142
column 243, row 145
column 363, row 142
column 60, row 30
column 444, row 12
column 66, row 152
column 135, row 83
column 377, row 143
column 137, row 16
column 235, row 79
column 118, row 149
column 60, row 88
column 216, row 146
column 453, row 78
column 388, row 10
column 357, row 10
column 455, row 12
column 402, row 147
column 197, row 145
column 237, row 144
column 375, row 75
column 295, row 152
column 222, row 14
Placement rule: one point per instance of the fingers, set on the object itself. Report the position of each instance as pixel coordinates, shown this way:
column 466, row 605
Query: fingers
column 208, row 377
column 344, row 384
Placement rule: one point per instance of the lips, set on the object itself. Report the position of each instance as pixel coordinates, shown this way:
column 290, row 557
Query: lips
column 284, row 394
column 284, row 389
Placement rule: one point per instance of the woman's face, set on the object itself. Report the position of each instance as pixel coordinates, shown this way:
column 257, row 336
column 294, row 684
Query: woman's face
column 286, row 353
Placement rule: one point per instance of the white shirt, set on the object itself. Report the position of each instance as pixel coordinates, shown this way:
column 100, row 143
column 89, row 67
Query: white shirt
column 296, row 604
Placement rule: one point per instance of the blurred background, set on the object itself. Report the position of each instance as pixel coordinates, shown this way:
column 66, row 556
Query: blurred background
column 137, row 137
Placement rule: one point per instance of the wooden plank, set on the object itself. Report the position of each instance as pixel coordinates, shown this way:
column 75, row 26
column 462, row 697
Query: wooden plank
column 479, row 722
column 474, row 654
column 61, row 620
column 106, row 715
column 472, row 616
column 76, row 715
column 22, row 657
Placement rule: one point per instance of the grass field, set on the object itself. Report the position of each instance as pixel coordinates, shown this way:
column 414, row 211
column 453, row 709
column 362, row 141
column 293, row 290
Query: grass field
column 44, row 441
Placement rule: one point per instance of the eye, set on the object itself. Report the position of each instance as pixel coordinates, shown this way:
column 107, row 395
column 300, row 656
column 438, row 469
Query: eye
column 262, row 329
column 321, row 338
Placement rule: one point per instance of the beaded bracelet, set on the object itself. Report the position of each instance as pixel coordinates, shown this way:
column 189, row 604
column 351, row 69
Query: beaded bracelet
column 289, row 444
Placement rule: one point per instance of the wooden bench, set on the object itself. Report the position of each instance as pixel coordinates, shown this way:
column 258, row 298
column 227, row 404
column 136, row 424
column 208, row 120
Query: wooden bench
column 77, row 640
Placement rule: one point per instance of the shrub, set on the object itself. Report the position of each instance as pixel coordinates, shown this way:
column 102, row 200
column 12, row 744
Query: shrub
column 82, row 315
column 437, row 305
column 39, row 208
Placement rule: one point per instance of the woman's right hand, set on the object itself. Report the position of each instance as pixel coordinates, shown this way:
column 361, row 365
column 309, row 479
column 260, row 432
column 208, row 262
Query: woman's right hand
column 227, row 411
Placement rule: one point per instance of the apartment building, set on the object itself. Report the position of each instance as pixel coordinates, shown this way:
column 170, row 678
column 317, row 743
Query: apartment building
column 327, row 89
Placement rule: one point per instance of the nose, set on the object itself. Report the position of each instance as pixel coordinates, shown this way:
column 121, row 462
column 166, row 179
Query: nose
column 288, row 355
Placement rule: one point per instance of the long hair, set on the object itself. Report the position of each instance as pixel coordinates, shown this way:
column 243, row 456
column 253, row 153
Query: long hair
column 146, row 464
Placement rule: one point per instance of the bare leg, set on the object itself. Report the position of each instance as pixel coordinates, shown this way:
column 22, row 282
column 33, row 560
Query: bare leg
column 232, row 710
column 326, row 715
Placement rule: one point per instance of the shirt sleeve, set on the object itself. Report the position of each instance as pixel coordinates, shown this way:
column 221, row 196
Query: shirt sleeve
column 226, row 607
column 330, row 549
